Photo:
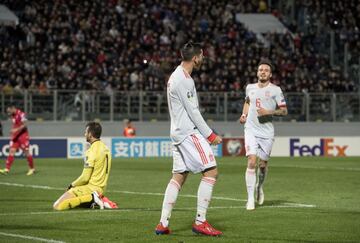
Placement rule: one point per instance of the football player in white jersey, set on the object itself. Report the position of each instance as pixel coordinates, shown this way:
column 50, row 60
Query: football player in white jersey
column 263, row 101
column 191, row 138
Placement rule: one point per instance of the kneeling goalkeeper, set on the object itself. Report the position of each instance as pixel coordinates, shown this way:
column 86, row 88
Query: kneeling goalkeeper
column 91, row 184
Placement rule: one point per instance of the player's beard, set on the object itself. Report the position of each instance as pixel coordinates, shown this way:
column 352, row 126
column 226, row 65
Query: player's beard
column 264, row 80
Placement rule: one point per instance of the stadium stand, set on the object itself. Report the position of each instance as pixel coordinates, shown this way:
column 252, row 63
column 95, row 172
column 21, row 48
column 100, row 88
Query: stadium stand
column 132, row 45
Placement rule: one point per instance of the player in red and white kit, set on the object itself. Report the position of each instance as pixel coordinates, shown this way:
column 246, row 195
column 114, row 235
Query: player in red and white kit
column 191, row 138
column 19, row 139
column 263, row 101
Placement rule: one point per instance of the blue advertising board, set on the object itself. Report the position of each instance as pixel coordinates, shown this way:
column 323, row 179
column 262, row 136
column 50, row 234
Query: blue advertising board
column 146, row 147
column 120, row 147
column 39, row 148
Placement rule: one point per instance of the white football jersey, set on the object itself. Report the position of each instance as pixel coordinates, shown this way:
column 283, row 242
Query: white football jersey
column 183, row 104
column 269, row 98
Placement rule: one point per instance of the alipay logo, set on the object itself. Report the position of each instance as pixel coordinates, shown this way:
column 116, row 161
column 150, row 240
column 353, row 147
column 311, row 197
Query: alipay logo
column 76, row 149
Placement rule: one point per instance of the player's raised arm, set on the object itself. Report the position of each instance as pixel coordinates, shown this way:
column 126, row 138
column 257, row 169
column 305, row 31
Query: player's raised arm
column 281, row 108
column 281, row 111
column 281, row 104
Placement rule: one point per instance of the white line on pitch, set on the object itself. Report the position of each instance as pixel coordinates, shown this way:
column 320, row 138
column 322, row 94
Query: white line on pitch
column 184, row 195
column 31, row 186
column 319, row 167
column 27, row 237
column 121, row 210
column 142, row 193
column 116, row 191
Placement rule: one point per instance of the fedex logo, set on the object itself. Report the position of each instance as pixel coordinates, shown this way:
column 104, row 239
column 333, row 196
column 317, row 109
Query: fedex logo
column 325, row 148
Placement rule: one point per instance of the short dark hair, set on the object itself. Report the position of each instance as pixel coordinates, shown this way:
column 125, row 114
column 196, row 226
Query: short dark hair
column 95, row 129
column 12, row 104
column 190, row 50
column 267, row 62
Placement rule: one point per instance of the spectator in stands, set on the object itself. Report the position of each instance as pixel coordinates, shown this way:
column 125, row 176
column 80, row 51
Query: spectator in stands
column 129, row 129
column 133, row 44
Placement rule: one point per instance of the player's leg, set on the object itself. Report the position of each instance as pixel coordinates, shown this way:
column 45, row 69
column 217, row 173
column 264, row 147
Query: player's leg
column 262, row 171
column 204, row 194
column 170, row 197
column 24, row 144
column 180, row 173
column 73, row 198
column 264, row 155
column 201, row 225
column 250, row 174
column 250, row 180
column 30, row 160
column 10, row 158
column 200, row 158
column 59, row 204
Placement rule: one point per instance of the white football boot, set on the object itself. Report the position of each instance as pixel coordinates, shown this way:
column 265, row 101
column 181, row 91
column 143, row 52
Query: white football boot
column 250, row 205
column 97, row 199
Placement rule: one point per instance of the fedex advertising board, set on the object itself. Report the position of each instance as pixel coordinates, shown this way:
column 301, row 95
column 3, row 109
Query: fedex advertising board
column 304, row 146
column 324, row 146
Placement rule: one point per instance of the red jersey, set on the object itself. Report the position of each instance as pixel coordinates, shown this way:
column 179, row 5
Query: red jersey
column 18, row 120
column 129, row 132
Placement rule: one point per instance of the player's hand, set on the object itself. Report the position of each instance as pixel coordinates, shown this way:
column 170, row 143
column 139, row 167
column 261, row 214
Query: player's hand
column 217, row 140
column 242, row 119
column 264, row 112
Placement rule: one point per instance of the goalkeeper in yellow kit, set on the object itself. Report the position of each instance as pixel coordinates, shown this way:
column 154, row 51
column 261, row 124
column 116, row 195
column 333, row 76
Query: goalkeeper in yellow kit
column 91, row 184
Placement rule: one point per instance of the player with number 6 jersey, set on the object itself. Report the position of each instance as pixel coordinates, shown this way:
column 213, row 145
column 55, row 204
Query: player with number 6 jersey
column 269, row 97
column 263, row 101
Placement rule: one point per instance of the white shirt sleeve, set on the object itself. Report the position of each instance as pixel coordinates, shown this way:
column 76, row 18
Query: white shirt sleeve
column 188, row 97
column 246, row 92
column 280, row 99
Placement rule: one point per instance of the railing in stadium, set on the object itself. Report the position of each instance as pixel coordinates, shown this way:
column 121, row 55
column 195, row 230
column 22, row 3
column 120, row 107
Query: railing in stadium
column 74, row 105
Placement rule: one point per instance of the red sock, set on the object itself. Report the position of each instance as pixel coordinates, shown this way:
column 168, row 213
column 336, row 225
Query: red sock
column 30, row 161
column 9, row 161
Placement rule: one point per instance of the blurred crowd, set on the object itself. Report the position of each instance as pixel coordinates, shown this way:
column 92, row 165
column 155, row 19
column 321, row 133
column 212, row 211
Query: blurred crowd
column 312, row 24
column 134, row 45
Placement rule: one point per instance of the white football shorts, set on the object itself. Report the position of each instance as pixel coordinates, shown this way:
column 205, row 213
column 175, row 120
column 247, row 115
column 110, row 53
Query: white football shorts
column 193, row 154
column 261, row 147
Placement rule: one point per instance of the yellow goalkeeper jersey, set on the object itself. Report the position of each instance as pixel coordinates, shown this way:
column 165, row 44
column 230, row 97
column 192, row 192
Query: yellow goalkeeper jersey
column 98, row 157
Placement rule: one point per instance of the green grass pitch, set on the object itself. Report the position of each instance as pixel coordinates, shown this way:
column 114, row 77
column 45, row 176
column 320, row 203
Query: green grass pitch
column 306, row 200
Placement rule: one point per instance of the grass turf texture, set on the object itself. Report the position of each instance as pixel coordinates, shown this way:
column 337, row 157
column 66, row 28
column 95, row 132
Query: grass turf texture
column 331, row 184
